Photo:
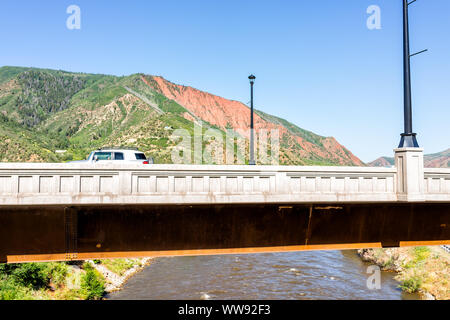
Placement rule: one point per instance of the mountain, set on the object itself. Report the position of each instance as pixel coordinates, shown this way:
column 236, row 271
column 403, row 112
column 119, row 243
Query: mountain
column 382, row 162
column 45, row 110
column 438, row 160
column 435, row 160
column 297, row 143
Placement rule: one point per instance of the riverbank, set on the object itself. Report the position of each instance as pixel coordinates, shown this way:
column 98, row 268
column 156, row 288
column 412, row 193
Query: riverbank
column 425, row 270
column 116, row 272
column 78, row 280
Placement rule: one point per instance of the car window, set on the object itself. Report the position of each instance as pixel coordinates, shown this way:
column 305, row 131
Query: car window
column 140, row 156
column 118, row 156
column 103, row 155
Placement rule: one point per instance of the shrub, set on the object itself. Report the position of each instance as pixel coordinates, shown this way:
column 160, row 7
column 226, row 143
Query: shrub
column 57, row 272
column 92, row 283
column 6, row 269
column 10, row 290
column 32, row 275
column 411, row 284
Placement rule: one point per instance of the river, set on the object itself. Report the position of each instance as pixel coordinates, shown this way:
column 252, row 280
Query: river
column 294, row 275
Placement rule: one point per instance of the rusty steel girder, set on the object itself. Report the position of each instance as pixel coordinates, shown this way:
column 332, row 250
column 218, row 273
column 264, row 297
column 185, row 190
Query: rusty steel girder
column 58, row 233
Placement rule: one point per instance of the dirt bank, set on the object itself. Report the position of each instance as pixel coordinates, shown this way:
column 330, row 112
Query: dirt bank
column 117, row 272
column 425, row 270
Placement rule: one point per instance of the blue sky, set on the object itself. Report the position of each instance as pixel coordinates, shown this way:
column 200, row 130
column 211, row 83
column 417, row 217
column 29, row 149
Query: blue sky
column 317, row 64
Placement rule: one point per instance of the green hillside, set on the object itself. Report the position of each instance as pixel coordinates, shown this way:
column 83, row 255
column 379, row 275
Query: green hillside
column 42, row 111
column 46, row 110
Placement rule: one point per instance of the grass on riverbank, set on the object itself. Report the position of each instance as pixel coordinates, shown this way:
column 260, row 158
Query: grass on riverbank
column 65, row 280
column 420, row 269
column 50, row 281
column 119, row 266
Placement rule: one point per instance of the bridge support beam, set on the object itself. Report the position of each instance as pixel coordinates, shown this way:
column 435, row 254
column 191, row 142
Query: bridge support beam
column 410, row 174
column 29, row 234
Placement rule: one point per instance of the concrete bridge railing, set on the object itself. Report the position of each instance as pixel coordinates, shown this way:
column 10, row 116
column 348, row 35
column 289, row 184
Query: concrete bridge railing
column 72, row 184
column 437, row 184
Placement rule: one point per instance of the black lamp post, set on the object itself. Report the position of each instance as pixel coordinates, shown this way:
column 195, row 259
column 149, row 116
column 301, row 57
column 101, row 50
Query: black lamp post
column 408, row 137
column 252, row 131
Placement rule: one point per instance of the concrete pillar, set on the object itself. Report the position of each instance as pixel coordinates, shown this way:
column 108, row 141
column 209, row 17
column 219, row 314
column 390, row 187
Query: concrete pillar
column 410, row 176
column 125, row 183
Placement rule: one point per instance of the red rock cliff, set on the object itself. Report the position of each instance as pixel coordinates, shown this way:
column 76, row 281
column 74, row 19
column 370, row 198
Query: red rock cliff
column 228, row 113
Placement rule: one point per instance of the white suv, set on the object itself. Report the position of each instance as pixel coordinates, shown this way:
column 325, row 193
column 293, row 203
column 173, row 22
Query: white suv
column 111, row 155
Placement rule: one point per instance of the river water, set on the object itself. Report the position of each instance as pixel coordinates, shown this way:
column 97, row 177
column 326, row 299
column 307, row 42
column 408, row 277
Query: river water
column 293, row 275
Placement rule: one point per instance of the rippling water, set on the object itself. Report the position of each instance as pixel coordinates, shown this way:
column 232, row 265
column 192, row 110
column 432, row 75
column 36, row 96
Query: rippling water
column 299, row 275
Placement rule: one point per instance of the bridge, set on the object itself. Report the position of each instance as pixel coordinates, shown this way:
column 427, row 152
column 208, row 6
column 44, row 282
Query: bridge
column 79, row 211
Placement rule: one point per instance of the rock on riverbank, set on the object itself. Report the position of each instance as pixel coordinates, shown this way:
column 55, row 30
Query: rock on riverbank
column 117, row 272
column 425, row 270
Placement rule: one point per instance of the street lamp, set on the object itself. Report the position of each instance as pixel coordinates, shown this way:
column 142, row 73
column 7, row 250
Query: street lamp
column 408, row 137
column 252, row 131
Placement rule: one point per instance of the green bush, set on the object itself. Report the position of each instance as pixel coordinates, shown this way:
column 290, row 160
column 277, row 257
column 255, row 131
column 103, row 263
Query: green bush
column 92, row 283
column 10, row 290
column 5, row 269
column 33, row 275
column 57, row 272
column 411, row 285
